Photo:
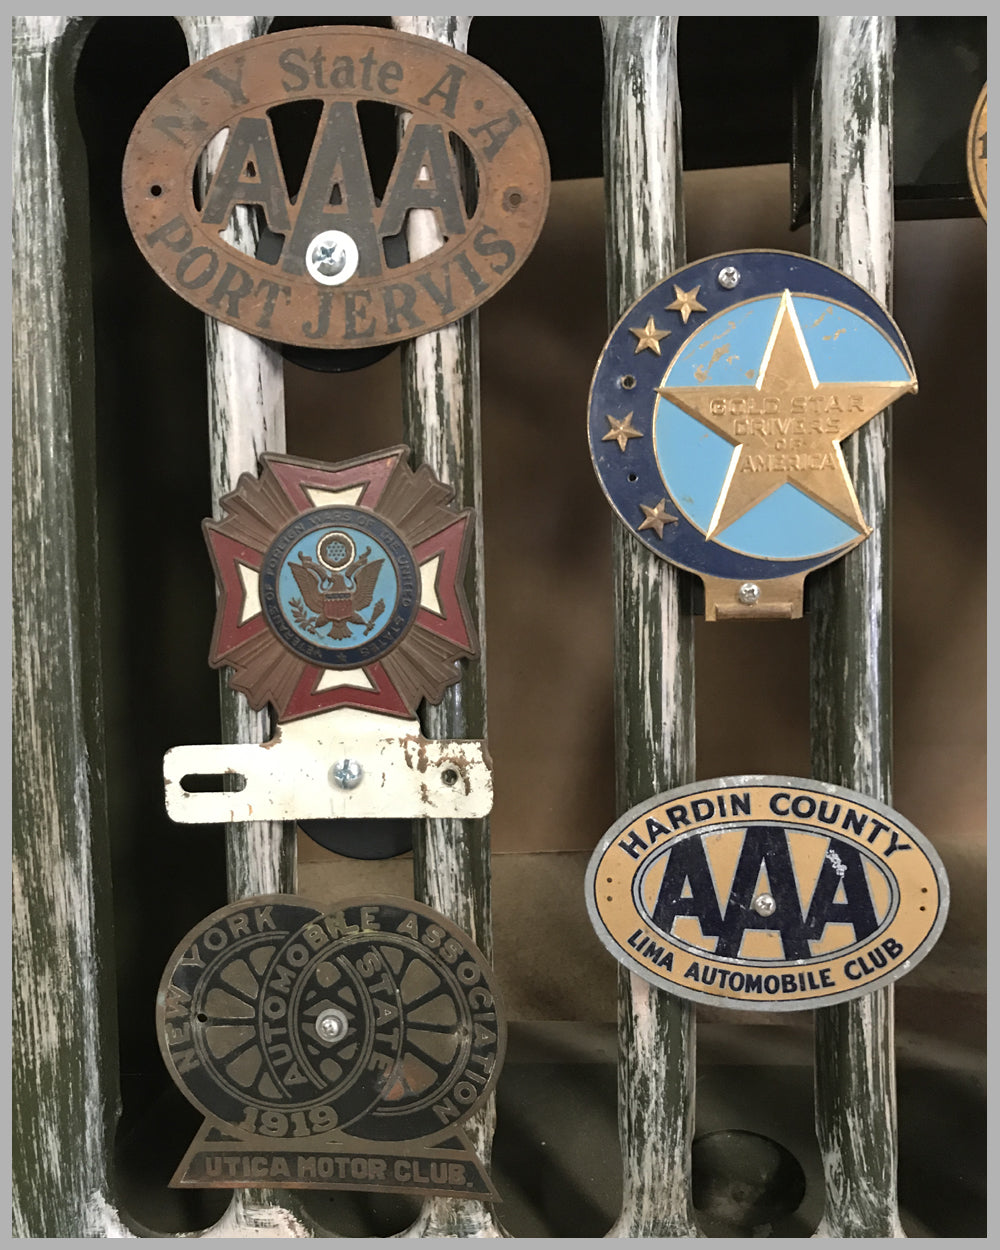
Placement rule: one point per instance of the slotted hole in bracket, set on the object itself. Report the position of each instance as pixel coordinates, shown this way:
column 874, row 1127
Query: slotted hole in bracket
column 213, row 783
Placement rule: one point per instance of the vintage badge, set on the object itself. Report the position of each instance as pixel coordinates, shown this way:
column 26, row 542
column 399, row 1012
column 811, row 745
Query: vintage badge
column 340, row 585
column 332, row 1048
column 334, row 269
column 766, row 893
column 975, row 153
column 340, row 603
column 717, row 412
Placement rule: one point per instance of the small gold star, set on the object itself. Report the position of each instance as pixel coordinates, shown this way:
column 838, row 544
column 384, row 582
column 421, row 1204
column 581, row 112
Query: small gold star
column 621, row 431
column 686, row 303
column 657, row 517
column 648, row 336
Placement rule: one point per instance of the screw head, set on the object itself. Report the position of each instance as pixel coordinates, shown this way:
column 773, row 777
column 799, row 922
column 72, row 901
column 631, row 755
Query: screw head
column 347, row 774
column 764, row 905
column 729, row 277
column 332, row 257
column 749, row 593
column 331, row 1024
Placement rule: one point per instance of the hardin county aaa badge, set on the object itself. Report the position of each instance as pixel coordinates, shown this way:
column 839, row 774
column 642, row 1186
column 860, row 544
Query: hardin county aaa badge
column 717, row 412
column 333, row 1047
column 766, row 893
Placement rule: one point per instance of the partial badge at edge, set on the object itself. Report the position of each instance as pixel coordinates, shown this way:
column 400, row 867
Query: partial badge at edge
column 766, row 893
column 337, row 265
column 717, row 414
column 975, row 153
column 339, row 1047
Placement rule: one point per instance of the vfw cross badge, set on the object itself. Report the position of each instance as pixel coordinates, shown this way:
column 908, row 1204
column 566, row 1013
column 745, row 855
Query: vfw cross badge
column 340, row 603
column 718, row 411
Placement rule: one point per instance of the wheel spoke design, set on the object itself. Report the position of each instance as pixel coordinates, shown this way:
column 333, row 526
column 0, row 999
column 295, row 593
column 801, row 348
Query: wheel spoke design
column 351, row 1019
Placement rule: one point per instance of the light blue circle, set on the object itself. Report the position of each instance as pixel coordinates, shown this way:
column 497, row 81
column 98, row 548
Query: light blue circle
column 299, row 616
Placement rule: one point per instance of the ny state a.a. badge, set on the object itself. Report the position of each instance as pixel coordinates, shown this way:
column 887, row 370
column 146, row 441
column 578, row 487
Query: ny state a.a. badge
column 718, row 410
column 341, row 605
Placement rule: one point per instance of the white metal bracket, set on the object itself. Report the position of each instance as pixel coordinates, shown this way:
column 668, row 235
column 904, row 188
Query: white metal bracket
column 338, row 764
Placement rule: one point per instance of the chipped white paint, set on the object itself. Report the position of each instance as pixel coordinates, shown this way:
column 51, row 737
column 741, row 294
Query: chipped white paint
column 246, row 417
column 403, row 775
column 654, row 680
column 441, row 420
column 852, row 732
column 247, row 1218
column 64, row 1087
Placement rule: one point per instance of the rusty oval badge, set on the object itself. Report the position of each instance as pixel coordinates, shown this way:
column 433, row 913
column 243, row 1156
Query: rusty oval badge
column 333, row 267
column 766, row 893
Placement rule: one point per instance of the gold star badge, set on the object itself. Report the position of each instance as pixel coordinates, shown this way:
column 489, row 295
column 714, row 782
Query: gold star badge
column 657, row 517
column 787, row 427
column 686, row 303
column 648, row 336
column 621, row 431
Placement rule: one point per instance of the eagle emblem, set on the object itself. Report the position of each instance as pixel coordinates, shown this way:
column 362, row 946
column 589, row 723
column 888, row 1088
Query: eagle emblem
column 336, row 587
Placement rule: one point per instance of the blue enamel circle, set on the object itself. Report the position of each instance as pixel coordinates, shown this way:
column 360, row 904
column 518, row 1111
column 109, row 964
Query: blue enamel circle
column 646, row 449
column 339, row 587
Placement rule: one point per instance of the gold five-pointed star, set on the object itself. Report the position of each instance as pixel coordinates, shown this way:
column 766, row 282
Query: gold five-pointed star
column 621, row 431
column 657, row 517
column 787, row 427
column 648, row 336
column 686, row 303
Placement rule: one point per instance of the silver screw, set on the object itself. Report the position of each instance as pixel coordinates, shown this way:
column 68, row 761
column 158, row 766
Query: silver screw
column 347, row 774
column 332, row 257
column 749, row 593
column 729, row 277
column 764, row 905
column 331, row 1024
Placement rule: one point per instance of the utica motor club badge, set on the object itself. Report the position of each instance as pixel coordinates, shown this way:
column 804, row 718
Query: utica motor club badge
column 766, row 893
column 340, row 604
column 333, row 268
column 333, row 1047
column 717, row 412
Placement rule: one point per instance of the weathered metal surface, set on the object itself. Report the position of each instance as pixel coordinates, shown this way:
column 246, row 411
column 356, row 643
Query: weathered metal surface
column 336, row 1047
column 975, row 153
column 850, row 617
column 654, row 632
column 246, row 416
column 766, row 893
column 388, row 769
column 717, row 411
column 441, row 422
column 331, row 281
column 65, row 1073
